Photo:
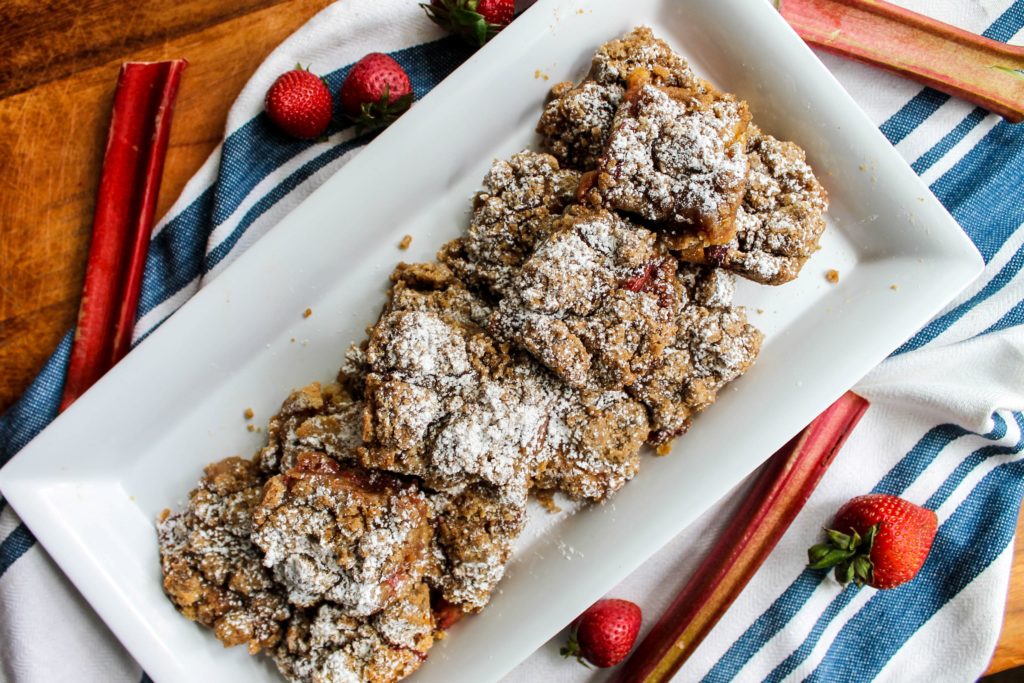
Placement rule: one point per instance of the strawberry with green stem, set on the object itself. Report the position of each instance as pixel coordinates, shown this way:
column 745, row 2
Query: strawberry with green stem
column 878, row 540
column 476, row 21
column 376, row 92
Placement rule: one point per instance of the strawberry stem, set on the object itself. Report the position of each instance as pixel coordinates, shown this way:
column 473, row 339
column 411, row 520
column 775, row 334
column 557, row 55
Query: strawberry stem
column 572, row 649
column 461, row 18
column 382, row 113
column 850, row 554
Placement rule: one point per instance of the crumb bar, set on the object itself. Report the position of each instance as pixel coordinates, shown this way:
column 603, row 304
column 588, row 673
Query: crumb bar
column 438, row 404
column 323, row 419
column 475, row 531
column 713, row 346
column 517, row 208
column 677, row 157
column 212, row 571
column 595, row 303
column 577, row 119
column 355, row 538
column 781, row 219
column 325, row 645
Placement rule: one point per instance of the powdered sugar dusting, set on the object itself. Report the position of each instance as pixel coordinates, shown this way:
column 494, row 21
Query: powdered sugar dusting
column 343, row 536
column 521, row 198
column 678, row 161
column 594, row 303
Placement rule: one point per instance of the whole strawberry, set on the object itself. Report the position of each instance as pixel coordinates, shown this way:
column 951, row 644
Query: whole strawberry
column 299, row 104
column 605, row 633
column 878, row 540
column 477, row 21
column 376, row 91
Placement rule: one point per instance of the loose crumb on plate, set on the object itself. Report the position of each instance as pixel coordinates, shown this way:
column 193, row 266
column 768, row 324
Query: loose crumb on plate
column 832, row 276
column 406, row 241
column 249, row 414
column 894, row 287
column 308, row 312
column 540, row 75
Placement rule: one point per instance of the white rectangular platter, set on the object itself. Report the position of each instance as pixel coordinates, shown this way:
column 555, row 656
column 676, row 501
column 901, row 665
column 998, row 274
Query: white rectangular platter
column 91, row 485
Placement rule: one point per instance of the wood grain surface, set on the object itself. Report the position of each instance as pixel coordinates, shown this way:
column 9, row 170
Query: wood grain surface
column 52, row 135
column 58, row 65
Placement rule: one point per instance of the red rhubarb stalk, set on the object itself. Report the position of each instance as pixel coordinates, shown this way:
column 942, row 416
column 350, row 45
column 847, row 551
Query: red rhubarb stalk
column 947, row 58
column 133, row 162
column 779, row 492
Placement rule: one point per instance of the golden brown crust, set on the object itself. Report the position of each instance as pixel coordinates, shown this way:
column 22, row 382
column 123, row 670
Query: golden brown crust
column 354, row 538
column 211, row 568
column 595, row 303
column 781, row 219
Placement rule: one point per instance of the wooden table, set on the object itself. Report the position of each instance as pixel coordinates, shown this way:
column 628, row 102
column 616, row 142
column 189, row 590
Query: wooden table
column 58, row 64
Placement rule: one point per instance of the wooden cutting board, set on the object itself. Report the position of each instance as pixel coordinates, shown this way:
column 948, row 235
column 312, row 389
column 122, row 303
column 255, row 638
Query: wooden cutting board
column 58, row 65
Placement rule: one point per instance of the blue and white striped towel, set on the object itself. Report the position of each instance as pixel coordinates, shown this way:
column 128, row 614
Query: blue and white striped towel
column 946, row 428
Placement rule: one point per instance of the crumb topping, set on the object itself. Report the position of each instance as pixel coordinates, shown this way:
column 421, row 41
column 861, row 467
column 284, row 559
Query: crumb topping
column 594, row 303
column 212, row 570
column 781, row 220
column 577, row 120
column 325, row 645
column 639, row 49
column 678, row 161
column 714, row 345
column 516, row 209
column 323, row 419
column 355, row 538
column 475, row 531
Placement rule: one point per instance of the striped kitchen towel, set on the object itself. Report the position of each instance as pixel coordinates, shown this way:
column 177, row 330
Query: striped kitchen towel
column 946, row 428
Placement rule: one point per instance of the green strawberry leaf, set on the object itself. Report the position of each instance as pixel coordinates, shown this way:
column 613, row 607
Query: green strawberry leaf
column 863, row 569
column 461, row 18
column 839, row 539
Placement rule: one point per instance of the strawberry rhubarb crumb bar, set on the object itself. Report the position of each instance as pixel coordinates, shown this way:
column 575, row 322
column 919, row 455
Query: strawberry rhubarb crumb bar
column 577, row 119
column 781, row 219
column 595, row 302
column 213, row 572
column 713, row 346
column 677, row 157
column 355, row 538
column 318, row 418
column 449, row 403
column 325, row 644
column 518, row 207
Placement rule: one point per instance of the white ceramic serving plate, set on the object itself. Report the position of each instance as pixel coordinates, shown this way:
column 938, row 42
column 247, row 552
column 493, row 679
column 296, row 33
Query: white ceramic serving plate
column 91, row 485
